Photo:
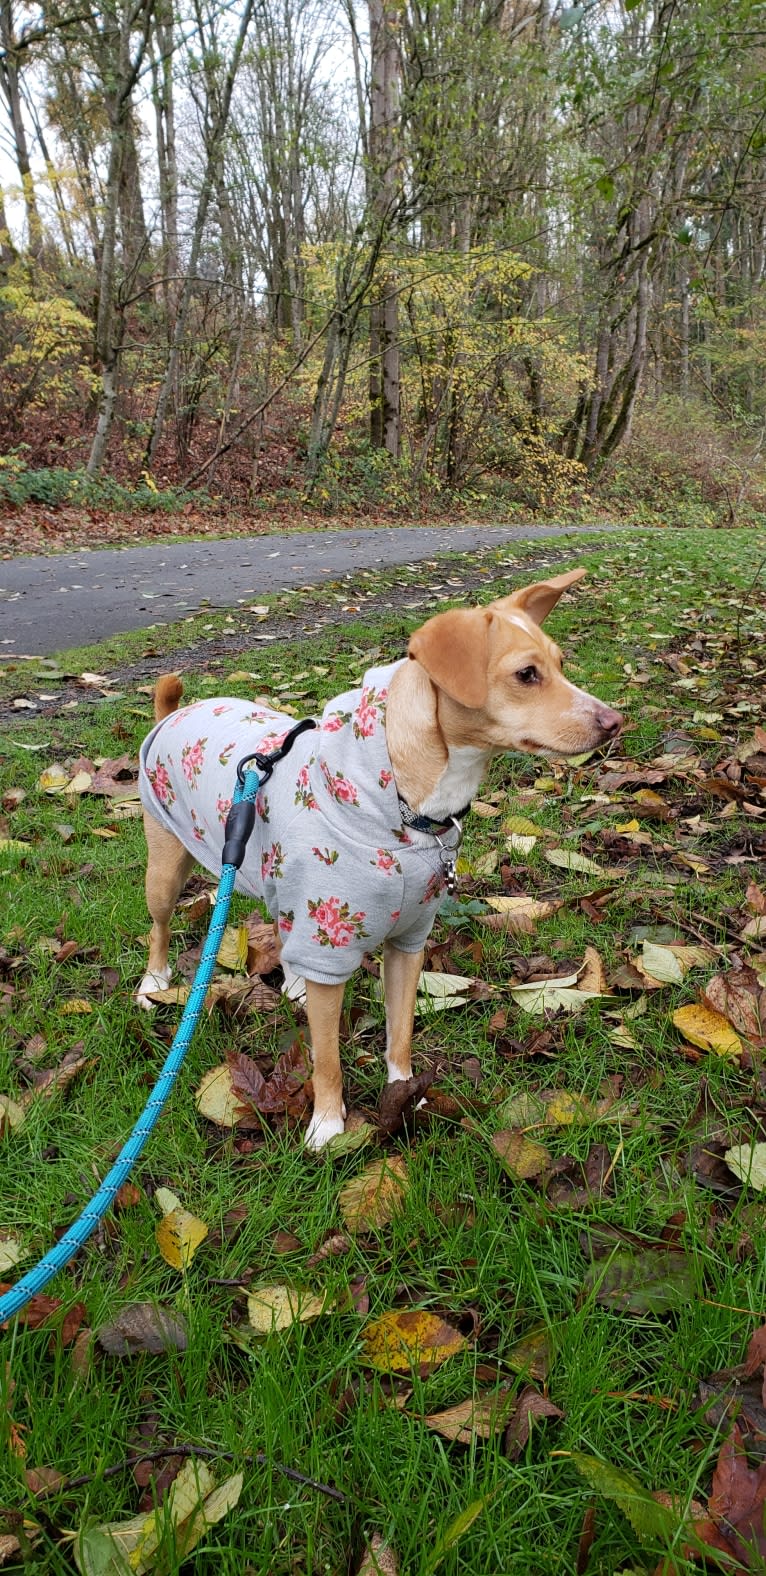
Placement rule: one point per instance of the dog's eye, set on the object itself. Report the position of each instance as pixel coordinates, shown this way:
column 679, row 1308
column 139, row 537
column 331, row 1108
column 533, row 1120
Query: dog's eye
column 528, row 675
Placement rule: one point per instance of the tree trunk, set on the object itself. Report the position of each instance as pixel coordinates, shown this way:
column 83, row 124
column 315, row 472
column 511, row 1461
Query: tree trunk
column 382, row 186
column 10, row 87
column 215, row 141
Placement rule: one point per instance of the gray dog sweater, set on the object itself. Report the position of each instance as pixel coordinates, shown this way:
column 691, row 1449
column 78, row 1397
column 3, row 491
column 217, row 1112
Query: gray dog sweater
column 329, row 854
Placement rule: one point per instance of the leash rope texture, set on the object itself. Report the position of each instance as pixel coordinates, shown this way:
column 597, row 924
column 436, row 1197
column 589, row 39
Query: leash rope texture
column 77, row 1235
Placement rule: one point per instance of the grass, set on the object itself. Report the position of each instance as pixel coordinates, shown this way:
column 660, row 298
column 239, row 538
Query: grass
column 486, row 1252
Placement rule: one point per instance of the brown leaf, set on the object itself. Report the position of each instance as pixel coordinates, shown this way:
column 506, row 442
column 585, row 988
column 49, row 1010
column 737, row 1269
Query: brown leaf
column 593, row 976
column 530, row 1405
column 333, row 1247
column 115, row 778
column 378, row 1559
column 289, row 1087
column 739, row 996
column 247, row 1080
column 399, row 1099
column 73, row 1319
column 43, row 1480
column 479, row 1416
column 143, row 1327
column 263, row 948
column 127, row 1196
column 286, row 1242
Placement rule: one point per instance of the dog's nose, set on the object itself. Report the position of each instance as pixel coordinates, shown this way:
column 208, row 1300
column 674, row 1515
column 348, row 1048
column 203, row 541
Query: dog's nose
column 609, row 721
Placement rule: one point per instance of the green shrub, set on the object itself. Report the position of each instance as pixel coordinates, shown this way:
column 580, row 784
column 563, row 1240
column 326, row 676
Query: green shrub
column 55, row 486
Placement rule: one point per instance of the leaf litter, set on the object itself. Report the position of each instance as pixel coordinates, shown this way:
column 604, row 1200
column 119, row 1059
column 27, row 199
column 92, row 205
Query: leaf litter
column 691, row 812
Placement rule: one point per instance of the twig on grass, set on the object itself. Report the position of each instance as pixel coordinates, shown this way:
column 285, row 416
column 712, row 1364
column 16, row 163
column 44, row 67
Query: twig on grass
column 258, row 1457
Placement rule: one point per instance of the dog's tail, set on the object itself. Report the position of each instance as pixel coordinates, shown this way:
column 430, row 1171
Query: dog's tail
column 167, row 693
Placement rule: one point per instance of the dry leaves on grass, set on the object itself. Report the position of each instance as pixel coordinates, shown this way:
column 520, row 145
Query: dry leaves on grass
column 271, row 1308
column 143, row 1327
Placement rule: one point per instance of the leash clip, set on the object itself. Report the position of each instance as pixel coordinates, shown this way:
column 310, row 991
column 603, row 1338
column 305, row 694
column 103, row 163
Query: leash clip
column 448, row 857
column 266, row 763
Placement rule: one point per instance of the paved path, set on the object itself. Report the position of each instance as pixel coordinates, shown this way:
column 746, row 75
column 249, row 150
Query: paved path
column 72, row 599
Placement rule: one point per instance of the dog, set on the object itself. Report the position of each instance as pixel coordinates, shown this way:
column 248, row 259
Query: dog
column 356, row 831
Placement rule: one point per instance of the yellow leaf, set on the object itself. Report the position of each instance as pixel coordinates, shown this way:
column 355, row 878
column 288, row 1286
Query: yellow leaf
column 12, row 1115
column 11, row 1252
column 521, row 826
column 166, row 1201
column 482, row 808
column 371, row 1199
column 80, row 783
column 215, row 1099
column 232, row 953
column 707, row 1029
column 662, row 964
column 518, row 844
column 526, row 907
column 12, row 845
column 171, row 996
column 409, row 1338
column 139, row 1545
column 179, row 1235
column 629, row 826
column 103, row 831
column 278, row 1307
column 569, row 859
column 748, row 1162
column 485, row 865
column 521, row 1157
column 54, row 779
column 75, row 1006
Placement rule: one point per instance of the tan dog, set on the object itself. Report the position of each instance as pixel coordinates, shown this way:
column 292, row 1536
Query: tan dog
column 479, row 682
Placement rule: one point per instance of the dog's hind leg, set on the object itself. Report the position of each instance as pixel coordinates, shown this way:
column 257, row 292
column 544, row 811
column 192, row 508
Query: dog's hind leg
column 168, row 866
column 401, row 971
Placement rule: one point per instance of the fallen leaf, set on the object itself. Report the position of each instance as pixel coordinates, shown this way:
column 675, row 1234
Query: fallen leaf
column 371, row 1199
column 272, row 1308
column 521, row 1157
column 193, row 1505
column 646, row 1282
column 569, row 859
column 400, row 1098
column 530, row 1405
column 12, row 1115
column 748, row 1162
column 479, row 1417
column 232, row 953
column 143, row 1327
column 215, row 1098
column 378, row 1559
column 408, row 1338
column 707, row 1028
column 179, row 1235
column 592, row 977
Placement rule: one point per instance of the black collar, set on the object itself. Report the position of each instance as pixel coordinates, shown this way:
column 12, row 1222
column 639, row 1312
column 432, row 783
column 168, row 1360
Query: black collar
column 435, row 825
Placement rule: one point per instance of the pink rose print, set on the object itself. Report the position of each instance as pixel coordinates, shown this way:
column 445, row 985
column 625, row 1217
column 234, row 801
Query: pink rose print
column 341, row 788
column 258, row 714
column 262, row 807
column 368, row 712
column 272, row 741
column 396, row 913
column 218, row 711
column 435, row 887
column 161, row 783
column 286, row 921
column 192, row 757
column 328, row 856
column 223, row 807
column 227, row 752
column 402, row 837
column 335, row 721
column 185, row 712
column 386, row 861
column 272, row 862
column 198, row 830
column 385, row 778
column 336, row 926
column 303, row 793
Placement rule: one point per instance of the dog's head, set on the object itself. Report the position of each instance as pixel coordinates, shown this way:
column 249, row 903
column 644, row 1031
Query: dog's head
column 497, row 665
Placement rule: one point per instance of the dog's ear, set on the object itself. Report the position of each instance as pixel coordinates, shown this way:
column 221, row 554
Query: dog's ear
column 537, row 600
column 453, row 648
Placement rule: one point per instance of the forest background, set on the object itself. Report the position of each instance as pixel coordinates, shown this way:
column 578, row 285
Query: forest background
column 424, row 254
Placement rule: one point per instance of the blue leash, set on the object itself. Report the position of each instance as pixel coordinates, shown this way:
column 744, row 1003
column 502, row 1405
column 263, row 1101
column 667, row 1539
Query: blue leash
column 239, row 825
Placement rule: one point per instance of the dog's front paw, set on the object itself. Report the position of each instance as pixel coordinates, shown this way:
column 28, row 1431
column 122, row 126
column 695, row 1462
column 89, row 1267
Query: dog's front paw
column 158, row 981
column 321, row 1129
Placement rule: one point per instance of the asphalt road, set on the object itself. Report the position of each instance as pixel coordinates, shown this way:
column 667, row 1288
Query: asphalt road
column 48, row 604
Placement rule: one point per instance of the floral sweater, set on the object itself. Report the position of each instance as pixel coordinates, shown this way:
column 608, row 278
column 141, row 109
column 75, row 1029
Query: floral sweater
column 329, row 855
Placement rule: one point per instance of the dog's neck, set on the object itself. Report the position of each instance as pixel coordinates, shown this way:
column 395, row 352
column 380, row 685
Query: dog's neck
column 434, row 776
